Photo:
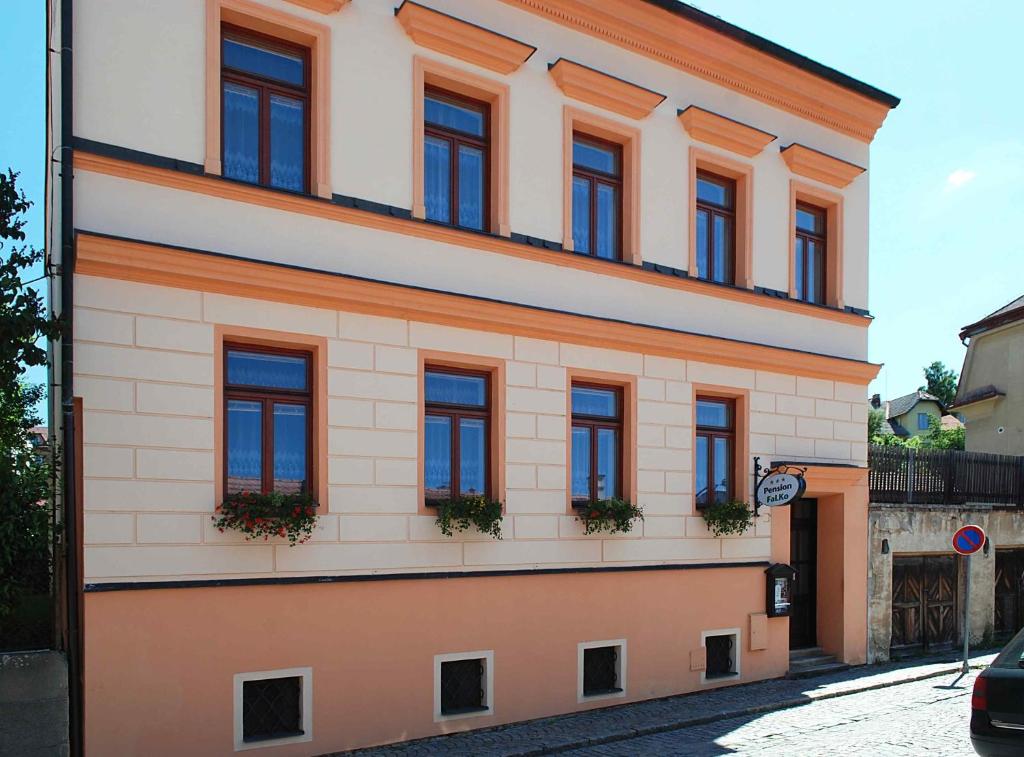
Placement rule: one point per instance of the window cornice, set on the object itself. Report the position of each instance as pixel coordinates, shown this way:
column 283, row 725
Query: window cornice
column 603, row 90
column 460, row 39
column 820, row 166
column 705, row 126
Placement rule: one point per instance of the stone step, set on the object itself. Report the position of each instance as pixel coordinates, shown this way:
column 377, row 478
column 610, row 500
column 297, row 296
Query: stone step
column 817, row 670
column 796, row 654
column 810, row 662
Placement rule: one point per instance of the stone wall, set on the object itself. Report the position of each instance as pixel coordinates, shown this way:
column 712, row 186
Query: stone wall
column 927, row 529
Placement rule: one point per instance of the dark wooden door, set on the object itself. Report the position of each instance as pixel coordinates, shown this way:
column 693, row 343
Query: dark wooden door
column 803, row 557
column 924, row 603
column 1009, row 591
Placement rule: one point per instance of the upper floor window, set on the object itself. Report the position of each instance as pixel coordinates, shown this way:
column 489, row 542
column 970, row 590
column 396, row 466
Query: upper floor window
column 716, row 439
column 456, row 442
column 716, row 228
column 455, row 159
column 596, row 197
column 596, row 443
column 922, row 421
column 264, row 110
column 268, row 406
column 810, row 251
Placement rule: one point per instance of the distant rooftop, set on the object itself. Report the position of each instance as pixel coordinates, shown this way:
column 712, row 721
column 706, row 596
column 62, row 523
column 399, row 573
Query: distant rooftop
column 1008, row 313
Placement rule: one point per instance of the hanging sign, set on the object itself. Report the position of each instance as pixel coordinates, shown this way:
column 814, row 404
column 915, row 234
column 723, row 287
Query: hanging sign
column 778, row 489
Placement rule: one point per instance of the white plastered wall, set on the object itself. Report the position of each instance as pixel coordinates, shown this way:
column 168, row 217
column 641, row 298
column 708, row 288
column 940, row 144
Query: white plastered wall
column 144, row 367
column 146, row 91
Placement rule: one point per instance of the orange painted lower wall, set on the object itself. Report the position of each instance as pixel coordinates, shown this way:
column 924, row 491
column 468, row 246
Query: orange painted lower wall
column 159, row 663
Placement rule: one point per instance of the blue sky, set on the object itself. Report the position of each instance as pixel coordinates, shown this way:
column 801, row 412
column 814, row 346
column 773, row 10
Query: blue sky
column 947, row 168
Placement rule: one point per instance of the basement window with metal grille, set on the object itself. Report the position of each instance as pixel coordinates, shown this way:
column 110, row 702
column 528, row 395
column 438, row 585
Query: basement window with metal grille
column 273, row 707
column 462, row 685
column 602, row 669
column 721, row 656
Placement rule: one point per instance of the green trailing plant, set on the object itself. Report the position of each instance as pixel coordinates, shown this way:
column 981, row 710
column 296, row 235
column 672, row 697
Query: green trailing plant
column 474, row 510
column 616, row 516
column 728, row 518
column 290, row 516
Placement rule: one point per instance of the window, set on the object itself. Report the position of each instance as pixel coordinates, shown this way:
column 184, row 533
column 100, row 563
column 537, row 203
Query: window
column 596, row 197
column 268, row 406
column 456, row 443
column 922, row 421
column 811, row 251
column 273, row 708
column 716, row 436
column 455, row 159
column 596, row 443
column 265, row 110
column 716, row 228
column 601, row 670
column 722, row 654
column 463, row 685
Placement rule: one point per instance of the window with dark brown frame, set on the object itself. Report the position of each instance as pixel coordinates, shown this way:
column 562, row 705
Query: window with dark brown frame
column 810, row 250
column 456, row 159
column 596, row 442
column 457, row 441
column 596, row 197
column 268, row 428
column 716, row 228
column 715, row 453
column 265, row 85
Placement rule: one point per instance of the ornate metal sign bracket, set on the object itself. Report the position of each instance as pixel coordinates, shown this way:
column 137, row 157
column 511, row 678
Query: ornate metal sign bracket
column 787, row 484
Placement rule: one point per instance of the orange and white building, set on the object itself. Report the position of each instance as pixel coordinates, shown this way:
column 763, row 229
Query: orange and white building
column 383, row 252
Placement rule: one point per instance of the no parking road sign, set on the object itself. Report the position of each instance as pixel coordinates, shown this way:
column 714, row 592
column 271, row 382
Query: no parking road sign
column 968, row 540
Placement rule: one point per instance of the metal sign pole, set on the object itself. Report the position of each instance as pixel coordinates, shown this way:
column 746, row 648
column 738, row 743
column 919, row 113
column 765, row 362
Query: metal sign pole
column 967, row 614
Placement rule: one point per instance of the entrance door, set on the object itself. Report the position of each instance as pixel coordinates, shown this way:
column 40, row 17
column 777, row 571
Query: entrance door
column 924, row 602
column 803, row 556
column 1009, row 591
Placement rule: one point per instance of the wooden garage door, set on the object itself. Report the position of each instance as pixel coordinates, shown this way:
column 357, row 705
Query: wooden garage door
column 924, row 603
column 1009, row 590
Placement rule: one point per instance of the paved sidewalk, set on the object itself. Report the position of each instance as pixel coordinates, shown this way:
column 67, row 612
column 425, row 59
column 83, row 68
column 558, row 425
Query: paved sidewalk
column 612, row 724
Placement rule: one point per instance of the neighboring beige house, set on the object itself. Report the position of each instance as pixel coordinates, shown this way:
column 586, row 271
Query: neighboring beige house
column 991, row 391
column 382, row 253
column 911, row 414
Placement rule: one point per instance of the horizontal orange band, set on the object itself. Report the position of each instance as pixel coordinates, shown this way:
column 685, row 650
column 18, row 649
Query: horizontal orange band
column 229, row 190
column 149, row 263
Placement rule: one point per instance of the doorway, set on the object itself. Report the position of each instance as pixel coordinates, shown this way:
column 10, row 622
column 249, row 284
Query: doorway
column 924, row 603
column 1009, row 592
column 803, row 557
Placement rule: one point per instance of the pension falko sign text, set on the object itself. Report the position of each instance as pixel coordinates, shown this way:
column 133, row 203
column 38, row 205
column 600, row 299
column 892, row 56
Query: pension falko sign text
column 778, row 485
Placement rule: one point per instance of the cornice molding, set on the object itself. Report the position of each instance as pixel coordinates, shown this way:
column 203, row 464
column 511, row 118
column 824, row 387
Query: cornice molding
column 690, row 47
column 820, row 166
column 460, row 39
column 705, row 126
column 603, row 90
column 150, row 263
column 235, row 191
column 321, row 6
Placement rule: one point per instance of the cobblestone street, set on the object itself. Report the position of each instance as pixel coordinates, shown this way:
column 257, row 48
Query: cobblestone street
column 918, row 718
column 895, row 709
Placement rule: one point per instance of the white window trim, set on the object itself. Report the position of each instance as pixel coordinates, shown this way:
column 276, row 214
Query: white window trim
column 620, row 663
column 306, row 674
column 488, row 684
column 737, row 646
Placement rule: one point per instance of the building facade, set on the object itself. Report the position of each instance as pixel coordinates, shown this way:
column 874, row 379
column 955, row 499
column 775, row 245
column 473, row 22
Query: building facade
column 386, row 254
column 990, row 395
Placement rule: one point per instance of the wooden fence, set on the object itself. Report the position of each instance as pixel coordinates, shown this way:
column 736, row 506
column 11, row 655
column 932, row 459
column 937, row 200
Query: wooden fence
column 944, row 477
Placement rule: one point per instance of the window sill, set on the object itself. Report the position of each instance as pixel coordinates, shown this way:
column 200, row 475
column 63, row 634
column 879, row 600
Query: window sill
column 601, row 692
column 464, row 711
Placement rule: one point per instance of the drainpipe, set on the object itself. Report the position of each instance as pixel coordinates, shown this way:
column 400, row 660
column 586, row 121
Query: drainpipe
column 73, row 587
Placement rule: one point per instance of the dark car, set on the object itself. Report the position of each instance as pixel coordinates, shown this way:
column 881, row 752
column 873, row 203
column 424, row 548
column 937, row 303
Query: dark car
column 997, row 706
